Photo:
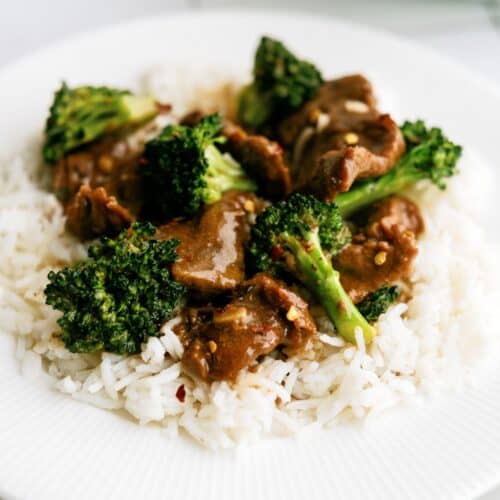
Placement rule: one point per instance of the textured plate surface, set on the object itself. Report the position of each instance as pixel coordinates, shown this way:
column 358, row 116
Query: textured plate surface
column 54, row 448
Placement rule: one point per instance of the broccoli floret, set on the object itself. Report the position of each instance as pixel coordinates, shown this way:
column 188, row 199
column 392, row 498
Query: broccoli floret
column 82, row 114
column 119, row 296
column 281, row 83
column 429, row 155
column 299, row 236
column 377, row 302
column 184, row 170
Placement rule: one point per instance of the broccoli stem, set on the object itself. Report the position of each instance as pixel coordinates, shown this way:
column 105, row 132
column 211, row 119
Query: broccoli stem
column 224, row 174
column 139, row 108
column 318, row 275
column 429, row 155
column 369, row 192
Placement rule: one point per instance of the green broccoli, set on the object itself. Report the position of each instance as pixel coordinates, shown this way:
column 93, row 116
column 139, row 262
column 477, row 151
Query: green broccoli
column 82, row 114
column 119, row 296
column 429, row 155
column 281, row 83
column 184, row 170
column 377, row 302
column 299, row 236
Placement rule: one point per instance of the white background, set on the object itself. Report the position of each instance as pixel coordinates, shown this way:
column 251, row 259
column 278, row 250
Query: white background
column 467, row 31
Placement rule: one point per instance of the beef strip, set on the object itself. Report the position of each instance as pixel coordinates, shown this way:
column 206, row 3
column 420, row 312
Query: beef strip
column 211, row 252
column 92, row 212
column 263, row 315
column 262, row 158
column 112, row 165
column 192, row 118
column 338, row 137
column 330, row 166
column 382, row 251
column 394, row 210
column 330, row 99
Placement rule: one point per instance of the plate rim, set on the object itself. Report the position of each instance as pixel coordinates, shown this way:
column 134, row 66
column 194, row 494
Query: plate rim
column 294, row 12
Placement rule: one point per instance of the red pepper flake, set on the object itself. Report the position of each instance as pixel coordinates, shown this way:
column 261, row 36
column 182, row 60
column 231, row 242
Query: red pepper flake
column 181, row 393
column 276, row 253
column 143, row 161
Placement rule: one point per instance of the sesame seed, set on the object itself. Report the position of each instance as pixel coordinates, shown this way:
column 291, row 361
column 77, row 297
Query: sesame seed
column 231, row 315
column 212, row 346
column 351, row 138
column 314, row 115
column 356, row 106
column 380, row 258
column 322, row 122
column 105, row 164
column 249, row 206
column 292, row 314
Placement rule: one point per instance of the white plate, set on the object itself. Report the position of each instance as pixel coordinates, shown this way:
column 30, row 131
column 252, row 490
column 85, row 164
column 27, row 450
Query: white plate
column 54, row 448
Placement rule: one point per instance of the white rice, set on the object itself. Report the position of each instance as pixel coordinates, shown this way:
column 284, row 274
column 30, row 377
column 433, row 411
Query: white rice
column 435, row 342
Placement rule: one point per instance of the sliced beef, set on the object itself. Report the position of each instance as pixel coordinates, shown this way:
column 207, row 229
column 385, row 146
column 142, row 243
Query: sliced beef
column 338, row 137
column 263, row 315
column 329, row 165
column 211, row 252
column 112, row 164
column 92, row 212
column 330, row 99
column 381, row 252
column 262, row 158
column 192, row 118
column 394, row 210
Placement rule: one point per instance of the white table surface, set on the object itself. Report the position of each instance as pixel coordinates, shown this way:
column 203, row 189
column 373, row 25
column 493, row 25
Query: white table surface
column 467, row 31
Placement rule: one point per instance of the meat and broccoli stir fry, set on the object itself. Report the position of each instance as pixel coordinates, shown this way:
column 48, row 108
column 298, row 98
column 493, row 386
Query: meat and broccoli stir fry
column 237, row 225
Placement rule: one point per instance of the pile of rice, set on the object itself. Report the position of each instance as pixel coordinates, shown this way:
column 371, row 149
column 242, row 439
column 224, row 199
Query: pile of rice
column 432, row 343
